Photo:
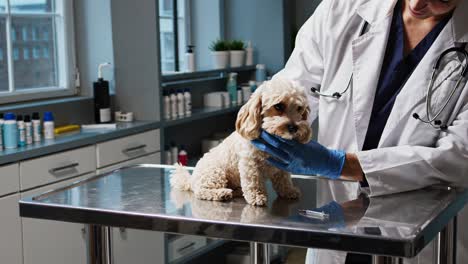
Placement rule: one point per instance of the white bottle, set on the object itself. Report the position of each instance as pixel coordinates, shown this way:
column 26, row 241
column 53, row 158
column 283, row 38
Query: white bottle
column 174, row 153
column 188, row 102
column 173, row 100
column 180, row 103
column 190, row 58
column 36, row 122
column 21, row 131
column 249, row 54
column 29, row 133
column 167, row 105
column 168, row 156
column 49, row 125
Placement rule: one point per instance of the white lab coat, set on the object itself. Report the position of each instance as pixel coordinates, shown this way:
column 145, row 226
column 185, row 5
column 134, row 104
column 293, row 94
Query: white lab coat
column 411, row 154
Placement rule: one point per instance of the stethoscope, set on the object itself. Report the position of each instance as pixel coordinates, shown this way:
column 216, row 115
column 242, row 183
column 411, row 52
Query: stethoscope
column 431, row 120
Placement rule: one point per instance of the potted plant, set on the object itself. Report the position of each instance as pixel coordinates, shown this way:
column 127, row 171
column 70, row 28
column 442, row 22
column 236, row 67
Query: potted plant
column 237, row 53
column 220, row 52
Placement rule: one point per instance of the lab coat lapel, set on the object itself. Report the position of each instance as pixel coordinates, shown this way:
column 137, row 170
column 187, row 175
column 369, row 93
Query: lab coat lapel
column 415, row 89
column 368, row 54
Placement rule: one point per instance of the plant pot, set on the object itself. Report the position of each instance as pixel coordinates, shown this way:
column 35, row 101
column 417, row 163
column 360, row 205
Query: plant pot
column 237, row 58
column 220, row 59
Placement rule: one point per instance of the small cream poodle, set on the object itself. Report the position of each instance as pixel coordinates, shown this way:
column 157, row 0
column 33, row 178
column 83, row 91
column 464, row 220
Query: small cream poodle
column 236, row 167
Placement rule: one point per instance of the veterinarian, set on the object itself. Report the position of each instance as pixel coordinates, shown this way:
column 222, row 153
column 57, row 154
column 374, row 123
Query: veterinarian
column 371, row 64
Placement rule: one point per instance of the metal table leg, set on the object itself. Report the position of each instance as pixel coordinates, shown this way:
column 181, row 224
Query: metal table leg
column 259, row 252
column 99, row 245
column 386, row 260
column 446, row 241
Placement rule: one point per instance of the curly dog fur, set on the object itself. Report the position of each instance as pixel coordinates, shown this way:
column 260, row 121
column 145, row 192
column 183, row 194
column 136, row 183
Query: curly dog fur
column 236, row 167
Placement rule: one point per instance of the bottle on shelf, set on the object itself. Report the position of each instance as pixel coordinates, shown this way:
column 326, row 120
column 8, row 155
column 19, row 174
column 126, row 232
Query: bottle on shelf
column 249, row 60
column 21, row 131
column 168, row 156
column 29, row 129
column 10, row 131
column 174, row 152
column 190, row 58
column 260, row 73
column 167, row 105
column 232, row 88
column 49, row 125
column 239, row 96
column 173, row 100
column 180, row 103
column 183, row 156
column 188, row 102
column 36, row 123
column 253, row 86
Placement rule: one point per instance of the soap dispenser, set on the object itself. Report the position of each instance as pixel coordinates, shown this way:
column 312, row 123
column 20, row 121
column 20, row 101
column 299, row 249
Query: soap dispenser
column 102, row 110
column 190, row 58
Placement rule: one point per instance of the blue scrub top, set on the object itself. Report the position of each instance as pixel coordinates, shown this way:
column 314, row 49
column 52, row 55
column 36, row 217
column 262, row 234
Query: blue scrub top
column 396, row 69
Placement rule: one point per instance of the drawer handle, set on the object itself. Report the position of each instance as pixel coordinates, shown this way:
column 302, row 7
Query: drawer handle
column 66, row 167
column 134, row 148
column 186, row 247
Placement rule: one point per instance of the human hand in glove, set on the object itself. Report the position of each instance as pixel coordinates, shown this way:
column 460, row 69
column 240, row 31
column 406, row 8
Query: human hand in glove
column 297, row 158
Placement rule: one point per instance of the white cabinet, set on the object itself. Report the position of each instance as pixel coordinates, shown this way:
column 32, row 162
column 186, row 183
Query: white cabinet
column 53, row 242
column 10, row 230
column 9, row 179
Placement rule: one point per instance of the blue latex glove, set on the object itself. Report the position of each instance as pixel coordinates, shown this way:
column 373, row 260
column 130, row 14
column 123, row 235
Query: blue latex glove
column 297, row 158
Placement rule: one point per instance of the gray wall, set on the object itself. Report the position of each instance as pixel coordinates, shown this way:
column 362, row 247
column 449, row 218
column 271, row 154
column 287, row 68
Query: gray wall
column 206, row 26
column 262, row 22
column 93, row 30
column 136, row 57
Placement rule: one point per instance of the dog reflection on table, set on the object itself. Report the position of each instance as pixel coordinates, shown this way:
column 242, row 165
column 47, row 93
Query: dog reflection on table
column 236, row 167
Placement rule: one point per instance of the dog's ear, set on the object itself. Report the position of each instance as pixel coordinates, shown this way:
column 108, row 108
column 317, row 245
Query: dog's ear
column 249, row 118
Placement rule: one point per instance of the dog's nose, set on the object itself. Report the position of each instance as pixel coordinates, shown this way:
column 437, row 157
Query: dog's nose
column 292, row 128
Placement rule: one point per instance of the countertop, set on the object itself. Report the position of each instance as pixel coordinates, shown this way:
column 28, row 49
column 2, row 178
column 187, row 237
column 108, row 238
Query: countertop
column 74, row 140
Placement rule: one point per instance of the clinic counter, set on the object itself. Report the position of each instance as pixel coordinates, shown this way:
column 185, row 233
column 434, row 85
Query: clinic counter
column 140, row 197
column 73, row 140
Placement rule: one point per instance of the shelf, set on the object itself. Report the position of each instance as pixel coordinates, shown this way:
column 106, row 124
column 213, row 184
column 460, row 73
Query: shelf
column 176, row 78
column 201, row 113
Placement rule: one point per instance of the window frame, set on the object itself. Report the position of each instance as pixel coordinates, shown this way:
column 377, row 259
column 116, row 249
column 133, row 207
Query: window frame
column 65, row 61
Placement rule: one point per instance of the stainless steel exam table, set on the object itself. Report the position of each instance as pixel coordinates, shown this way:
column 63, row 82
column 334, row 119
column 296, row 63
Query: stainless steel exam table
column 390, row 227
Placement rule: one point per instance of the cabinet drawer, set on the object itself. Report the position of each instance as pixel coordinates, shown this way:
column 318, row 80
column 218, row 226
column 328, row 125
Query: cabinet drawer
column 150, row 159
column 184, row 246
column 126, row 148
column 9, row 179
column 57, row 167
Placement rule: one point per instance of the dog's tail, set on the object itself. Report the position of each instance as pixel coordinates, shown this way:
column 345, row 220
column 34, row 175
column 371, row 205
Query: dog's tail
column 180, row 178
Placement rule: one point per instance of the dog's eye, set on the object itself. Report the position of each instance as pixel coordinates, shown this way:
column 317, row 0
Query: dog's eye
column 299, row 109
column 279, row 107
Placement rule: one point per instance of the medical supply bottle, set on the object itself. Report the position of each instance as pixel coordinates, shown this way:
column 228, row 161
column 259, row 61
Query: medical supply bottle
column 1, row 130
column 10, row 131
column 168, row 156
column 173, row 100
column 49, row 125
column 232, row 88
column 239, row 96
column 167, row 105
column 253, row 86
column 36, row 123
column 183, row 156
column 190, row 58
column 102, row 111
column 188, row 102
column 174, row 152
column 180, row 103
column 21, row 131
column 249, row 54
column 260, row 73
column 29, row 129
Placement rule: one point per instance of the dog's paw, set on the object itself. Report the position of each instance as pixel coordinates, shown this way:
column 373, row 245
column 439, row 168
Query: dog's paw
column 222, row 194
column 258, row 199
column 291, row 193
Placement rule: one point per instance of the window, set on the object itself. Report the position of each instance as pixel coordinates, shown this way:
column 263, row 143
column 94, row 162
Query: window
column 174, row 33
column 37, row 44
